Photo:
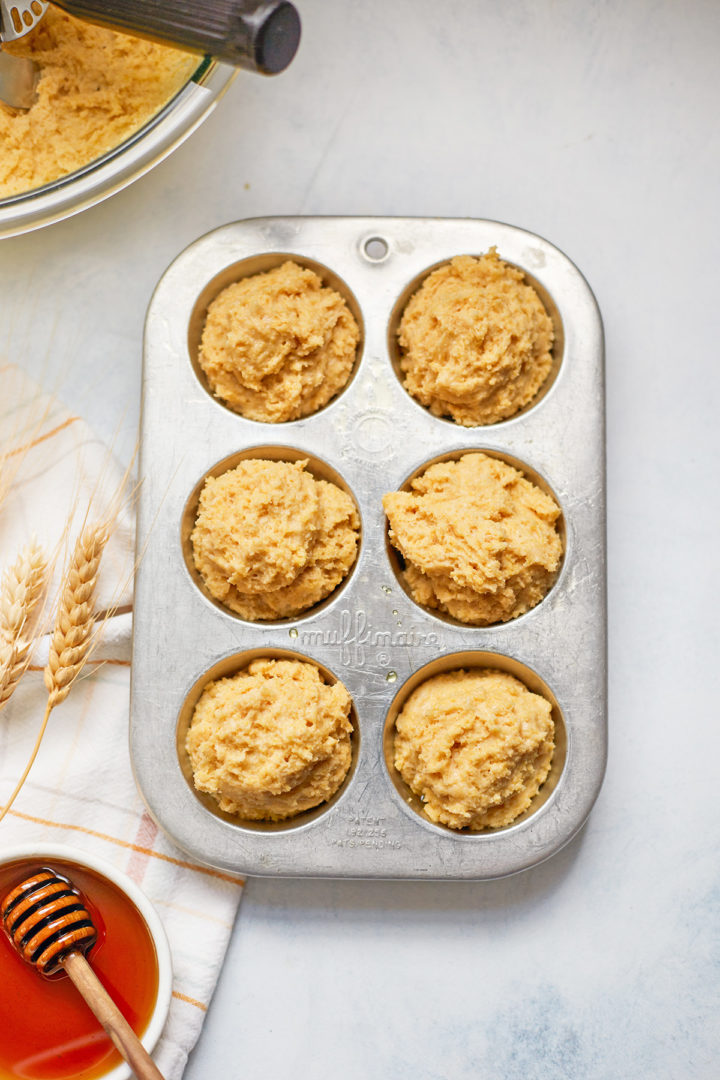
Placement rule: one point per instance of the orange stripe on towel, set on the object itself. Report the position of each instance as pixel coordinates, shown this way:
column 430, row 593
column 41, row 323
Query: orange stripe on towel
column 190, row 1001
column 133, row 847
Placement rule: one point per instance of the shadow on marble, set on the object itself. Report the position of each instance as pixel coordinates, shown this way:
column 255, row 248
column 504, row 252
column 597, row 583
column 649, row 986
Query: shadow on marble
column 404, row 900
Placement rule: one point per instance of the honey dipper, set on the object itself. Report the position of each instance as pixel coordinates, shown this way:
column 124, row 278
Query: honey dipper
column 48, row 923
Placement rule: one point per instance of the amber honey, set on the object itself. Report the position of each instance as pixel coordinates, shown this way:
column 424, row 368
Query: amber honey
column 47, row 1032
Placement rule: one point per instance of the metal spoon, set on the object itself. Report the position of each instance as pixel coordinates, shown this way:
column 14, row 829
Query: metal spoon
column 18, row 75
column 18, row 79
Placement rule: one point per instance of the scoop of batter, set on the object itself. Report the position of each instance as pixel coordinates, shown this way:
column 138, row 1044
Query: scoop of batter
column 96, row 88
column 475, row 341
column 270, row 540
column 271, row 741
column 278, row 345
column 475, row 746
column 479, row 540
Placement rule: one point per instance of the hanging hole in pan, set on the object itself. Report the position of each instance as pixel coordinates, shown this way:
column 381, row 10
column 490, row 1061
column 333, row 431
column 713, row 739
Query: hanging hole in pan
column 376, row 249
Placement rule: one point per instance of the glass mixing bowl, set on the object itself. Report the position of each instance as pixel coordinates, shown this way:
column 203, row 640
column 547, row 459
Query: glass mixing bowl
column 119, row 167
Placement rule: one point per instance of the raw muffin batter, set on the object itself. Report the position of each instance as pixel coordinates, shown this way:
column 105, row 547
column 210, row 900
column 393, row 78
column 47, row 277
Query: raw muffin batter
column 475, row 341
column 475, row 746
column 272, row 741
column 96, row 88
column 270, row 540
column 278, row 345
column 480, row 541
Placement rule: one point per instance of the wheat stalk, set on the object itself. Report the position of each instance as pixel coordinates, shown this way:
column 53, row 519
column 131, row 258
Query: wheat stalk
column 20, row 591
column 75, row 620
column 73, row 635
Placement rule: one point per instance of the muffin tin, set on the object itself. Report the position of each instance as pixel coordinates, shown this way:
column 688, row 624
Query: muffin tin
column 369, row 634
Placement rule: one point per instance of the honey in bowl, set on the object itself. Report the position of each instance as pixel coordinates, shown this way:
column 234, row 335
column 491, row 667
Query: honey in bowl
column 47, row 1032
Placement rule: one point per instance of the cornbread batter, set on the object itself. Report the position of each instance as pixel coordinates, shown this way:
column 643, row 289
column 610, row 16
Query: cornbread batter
column 279, row 345
column 479, row 540
column 270, row 540
column 475, row 746
column 96, row 88
column 271, row 741
column 475, row 341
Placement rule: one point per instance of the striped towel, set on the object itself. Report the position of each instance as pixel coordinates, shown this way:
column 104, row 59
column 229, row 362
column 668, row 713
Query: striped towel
column 81, row 790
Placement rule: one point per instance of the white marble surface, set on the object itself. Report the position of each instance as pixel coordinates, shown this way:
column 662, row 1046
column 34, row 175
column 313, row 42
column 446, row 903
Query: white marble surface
column 595, row 125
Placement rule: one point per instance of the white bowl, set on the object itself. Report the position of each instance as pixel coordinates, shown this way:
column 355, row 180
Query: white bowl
column 117, row 168
column 45, row 853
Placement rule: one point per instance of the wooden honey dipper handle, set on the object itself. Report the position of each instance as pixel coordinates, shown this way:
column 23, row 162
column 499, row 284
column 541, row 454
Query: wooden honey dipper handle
column 108, row 1014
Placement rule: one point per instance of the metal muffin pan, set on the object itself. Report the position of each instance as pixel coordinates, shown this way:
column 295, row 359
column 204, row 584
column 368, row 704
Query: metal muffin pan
column 369, row 633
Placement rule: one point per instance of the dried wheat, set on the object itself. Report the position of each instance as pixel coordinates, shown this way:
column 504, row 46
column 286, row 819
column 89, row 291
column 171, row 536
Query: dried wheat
column 75, row 620
column 20, row 591
column 73, row 636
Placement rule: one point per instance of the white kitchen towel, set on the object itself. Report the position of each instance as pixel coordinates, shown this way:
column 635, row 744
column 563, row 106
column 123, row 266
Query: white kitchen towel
column 81, row 789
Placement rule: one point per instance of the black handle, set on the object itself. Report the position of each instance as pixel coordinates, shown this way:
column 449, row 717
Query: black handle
column 260, row 36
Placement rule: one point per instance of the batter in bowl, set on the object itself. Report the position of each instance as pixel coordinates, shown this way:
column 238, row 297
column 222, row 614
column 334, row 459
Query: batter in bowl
column 96, row 88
